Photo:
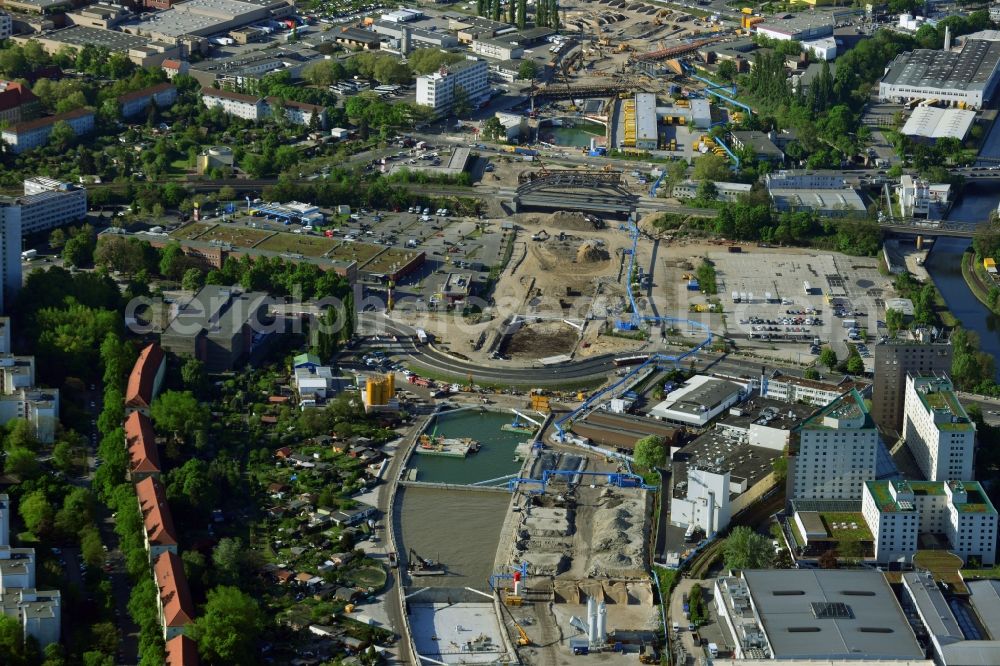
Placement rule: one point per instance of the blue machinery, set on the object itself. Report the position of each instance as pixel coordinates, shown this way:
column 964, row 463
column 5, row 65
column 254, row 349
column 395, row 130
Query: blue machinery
column 617, row 479
column 655, row 359
column 523, row 570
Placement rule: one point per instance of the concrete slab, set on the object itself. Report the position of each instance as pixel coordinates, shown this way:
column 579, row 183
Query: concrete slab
column 461, row 633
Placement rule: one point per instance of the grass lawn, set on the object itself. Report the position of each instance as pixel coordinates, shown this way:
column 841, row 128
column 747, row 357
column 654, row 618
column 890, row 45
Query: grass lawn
column 190, row 231
column 851, row 533
column 309, row 246
column 941, row 564
column 372, row 576
column 359, row 252
column 982, row 573
column 385, row 262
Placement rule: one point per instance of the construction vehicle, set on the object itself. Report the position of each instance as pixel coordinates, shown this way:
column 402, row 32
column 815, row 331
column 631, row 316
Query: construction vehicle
column 418, row 566
column 522, row 638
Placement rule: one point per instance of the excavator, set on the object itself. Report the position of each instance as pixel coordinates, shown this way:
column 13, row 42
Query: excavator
column 522, row 637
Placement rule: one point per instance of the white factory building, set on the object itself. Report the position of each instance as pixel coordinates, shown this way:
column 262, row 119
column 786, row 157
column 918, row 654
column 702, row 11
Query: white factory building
column 721, row 472
column 918, row 198
column 900, row 513
column 937, row 430
column 827, row 194
column 797, row 389
column 834, row 452
column 930, row 122
column 729, row 192
column 815, row 33
column 966, row 78
column 437, row 90
column 497, row 49
column 698, row 401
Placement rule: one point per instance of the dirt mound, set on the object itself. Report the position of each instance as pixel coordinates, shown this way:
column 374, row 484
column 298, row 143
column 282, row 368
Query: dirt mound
column 541, row 339
column 591, row 252
column 573, row 221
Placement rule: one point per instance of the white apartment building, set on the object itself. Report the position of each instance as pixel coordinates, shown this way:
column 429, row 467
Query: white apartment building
column 300, row 113
column 31, row 134
column 437, row 90
column 898, row 512
column 247, row 107
column 37, row 610
column 17, row 568
column 937, row 430
column 48, row 203
column 6, row 26
column 40, row 407
column 797, row 389
column 833, row 452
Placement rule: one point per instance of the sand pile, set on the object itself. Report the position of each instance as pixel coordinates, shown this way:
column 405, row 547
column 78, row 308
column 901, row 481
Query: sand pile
column 575, row 221
column 591, row 252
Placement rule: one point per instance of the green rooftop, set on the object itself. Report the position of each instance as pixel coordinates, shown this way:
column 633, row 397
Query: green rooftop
column 977, row 501
column 938, row 395
column 848, row 406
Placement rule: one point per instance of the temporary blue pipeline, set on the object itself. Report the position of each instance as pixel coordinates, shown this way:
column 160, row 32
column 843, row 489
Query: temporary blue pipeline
column 728, row 151
column 655, row 359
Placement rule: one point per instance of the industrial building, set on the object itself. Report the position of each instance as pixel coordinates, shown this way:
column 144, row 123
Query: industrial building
column 497, row 49
column 930, row 122
column 817, row 616
column 201, row 18
column 729, row 192
column 939, row 433
column 966, row 79
column 698, row 401
column 219, row 326
column 417, row 36
column 437, row 90
column 646, row 133
column 906, row 516
column 379, row 393
column 724, row 470
column 798, row 28
column 957, row 642
column 142, row 51
column 826, row 194
column 909, row 353
column 834, row 451
column 919, row 198
column 619, row 431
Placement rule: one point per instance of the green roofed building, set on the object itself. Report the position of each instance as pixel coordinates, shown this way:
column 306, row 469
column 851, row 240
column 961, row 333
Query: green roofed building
column 938, row 432
column 906, row 516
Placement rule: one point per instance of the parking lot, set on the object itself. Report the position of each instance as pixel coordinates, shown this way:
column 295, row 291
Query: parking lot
column 803, row 297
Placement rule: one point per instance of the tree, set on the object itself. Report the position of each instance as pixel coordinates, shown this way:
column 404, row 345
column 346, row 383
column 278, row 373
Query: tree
column 172, row 261
column 894, row 320
column 828, row 560
column 461, row 105
column 14, row 650
column 62, row 135
column 228, row 559
column 521, row 18
column 193, row 375
column 727, row 70
column 227, row 630
column 650, row 452
column 707, row 191
column 57, row 239
column 828, row 357
column 178, row 412
column 22, row 463
column 91, row 547
column 37, row 512
column 527, row 70
column 746, row 549
column 21, row 434
column 855, row 365
column 493, row 129
column 811, row 373
column 711, row 167
column 193, row 279
column 62, row 456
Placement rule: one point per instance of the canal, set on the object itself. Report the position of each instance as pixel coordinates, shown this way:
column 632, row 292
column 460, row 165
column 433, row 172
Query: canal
column 496, row 448
column 945, row 266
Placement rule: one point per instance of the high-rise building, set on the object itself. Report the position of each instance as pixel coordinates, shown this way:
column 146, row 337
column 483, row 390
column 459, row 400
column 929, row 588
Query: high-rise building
column 833, row 452
column 898, row 512
column 437, row 90
column 910, row 354
column 938, row 432
column 10, row 253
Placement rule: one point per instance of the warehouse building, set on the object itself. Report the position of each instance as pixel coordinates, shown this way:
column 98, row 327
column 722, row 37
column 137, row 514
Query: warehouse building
column 967, row 79
column 930, row 122
column 698, row 401
column 646, row 133
column 957, row 643
column 142, row 51
column 822, row 616
column 201, row 18
column 826, row 194
column 799, row 28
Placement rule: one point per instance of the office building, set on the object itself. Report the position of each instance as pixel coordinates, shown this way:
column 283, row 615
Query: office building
column 905, row 516
column 437, row 90
column 967, row 78
column 909, row 353
column 31, row 134
column 764, row 148
column 940, row 435
column 833, row 452
column 5, row 508
column 698, row 401
column 162, row 95
column 819, row 616
column 919, row 198
column 10, row 254
column 219, row 326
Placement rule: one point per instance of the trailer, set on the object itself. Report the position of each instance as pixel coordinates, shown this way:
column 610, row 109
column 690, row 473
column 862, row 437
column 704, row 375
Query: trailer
column 422, row 336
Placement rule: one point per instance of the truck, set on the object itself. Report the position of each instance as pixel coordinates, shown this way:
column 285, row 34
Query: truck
column 422, row 336
column 419, row 381
column 28, row 255
column 713, row 649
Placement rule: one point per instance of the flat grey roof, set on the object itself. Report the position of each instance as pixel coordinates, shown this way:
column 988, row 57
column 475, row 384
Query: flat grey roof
column 818, row 199
column 759, row 141
column 80, row 35
column 221, row 311
column 986, row 600
column 645, row 117
column 715, row 451
column 970, row 69
column 859, row 616
column 708, row 395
